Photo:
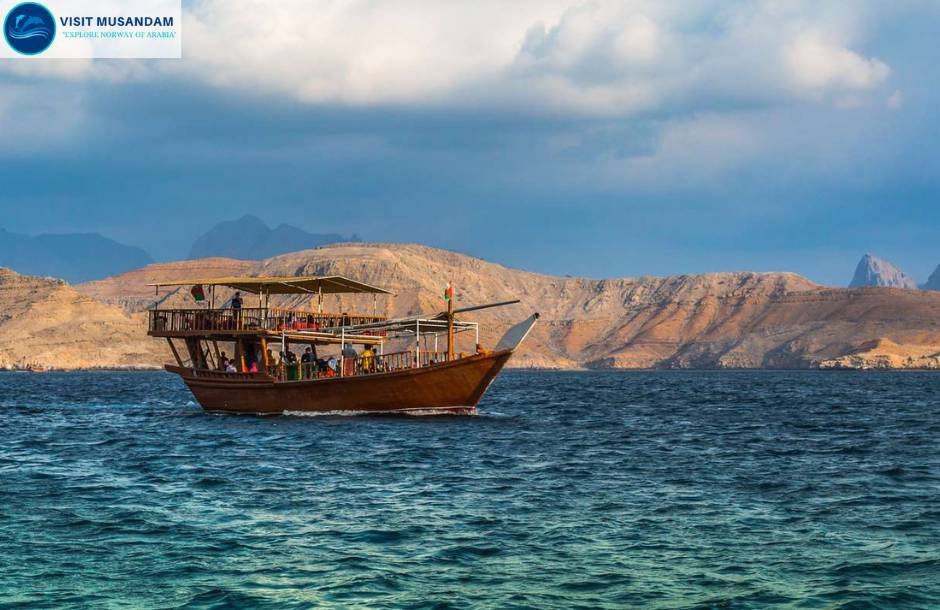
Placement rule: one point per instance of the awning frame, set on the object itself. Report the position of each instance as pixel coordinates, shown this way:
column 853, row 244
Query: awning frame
column 328, row 284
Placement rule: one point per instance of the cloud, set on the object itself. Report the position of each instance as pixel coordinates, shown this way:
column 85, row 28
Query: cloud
column 595, row 57
column 581, row 57
column 817, row 65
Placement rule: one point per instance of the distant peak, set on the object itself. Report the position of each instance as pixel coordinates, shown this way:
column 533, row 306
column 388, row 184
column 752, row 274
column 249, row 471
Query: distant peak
column 933, row 282
column 875, row 271
column 250, row 219
column 250, row 238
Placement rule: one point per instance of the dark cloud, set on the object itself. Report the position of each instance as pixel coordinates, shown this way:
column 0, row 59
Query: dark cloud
column 719, row 184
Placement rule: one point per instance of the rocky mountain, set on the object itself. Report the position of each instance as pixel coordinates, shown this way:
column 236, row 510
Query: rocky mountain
column 47, row 323
column 716, row 320
column 874, row 271
column 76, row 257
column 250, row 238
column 933, row 282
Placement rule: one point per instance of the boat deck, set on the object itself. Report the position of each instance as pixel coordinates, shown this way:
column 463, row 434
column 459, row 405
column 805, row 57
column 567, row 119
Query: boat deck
column 252, row 321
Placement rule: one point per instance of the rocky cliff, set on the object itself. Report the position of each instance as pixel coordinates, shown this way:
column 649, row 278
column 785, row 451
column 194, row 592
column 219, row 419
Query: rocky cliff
column 719, row 320
column 46, row 323
column 933, row 282
column 873, row 271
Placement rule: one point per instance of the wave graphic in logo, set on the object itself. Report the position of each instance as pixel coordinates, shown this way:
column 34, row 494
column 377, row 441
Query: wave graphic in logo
column 29, row 28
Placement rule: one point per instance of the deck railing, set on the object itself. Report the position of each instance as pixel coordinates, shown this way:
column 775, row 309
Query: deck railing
column 361, row 365
column 250, row 318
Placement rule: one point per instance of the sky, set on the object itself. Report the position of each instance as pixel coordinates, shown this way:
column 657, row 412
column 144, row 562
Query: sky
column 596, row 138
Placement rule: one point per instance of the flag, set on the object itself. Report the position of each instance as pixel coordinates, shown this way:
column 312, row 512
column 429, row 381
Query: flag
column 198, row 293
column 449, row 292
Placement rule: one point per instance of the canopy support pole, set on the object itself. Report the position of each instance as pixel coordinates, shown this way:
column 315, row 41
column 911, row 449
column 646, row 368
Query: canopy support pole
column 418, row 343
column 264, row 355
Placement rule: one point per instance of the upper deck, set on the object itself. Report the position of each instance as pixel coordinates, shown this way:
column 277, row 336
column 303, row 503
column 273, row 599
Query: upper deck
column 248, row 321
column 228, row 323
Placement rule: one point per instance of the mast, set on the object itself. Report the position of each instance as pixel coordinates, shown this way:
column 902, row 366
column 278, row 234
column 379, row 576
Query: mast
column 450, row 327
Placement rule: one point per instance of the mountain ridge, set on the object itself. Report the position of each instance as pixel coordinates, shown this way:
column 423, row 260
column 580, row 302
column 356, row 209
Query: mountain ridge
column 249, row 237
column 718, row 320
column 75, row 257
column 46, row 323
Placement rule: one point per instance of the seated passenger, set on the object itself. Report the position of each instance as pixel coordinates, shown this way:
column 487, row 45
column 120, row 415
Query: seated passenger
column 230, row 368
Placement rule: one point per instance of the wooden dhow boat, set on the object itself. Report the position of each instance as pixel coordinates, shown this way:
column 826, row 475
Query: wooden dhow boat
column 352, row 363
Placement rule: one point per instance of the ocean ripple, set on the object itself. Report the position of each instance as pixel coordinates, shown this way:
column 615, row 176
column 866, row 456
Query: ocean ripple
column 570, row 490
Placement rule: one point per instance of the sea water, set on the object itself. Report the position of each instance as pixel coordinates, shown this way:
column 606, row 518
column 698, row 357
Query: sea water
column 569, row 490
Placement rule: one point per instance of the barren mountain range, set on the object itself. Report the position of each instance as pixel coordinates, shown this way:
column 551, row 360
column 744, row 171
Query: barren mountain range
column 717, row 320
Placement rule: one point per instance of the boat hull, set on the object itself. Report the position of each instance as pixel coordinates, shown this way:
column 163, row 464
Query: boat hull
column 448, row 388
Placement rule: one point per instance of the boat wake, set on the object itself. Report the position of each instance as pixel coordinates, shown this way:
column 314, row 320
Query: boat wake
column 403, row 412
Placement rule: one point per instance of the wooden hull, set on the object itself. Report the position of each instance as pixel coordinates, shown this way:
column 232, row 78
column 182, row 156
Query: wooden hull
column 448, row 388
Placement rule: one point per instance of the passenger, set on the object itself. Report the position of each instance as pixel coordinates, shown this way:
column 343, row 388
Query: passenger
column 349, row 360
column 230, row 368
column 368, row 361
column 236, row 303
column 331, row 366
column 254, row 368
column 306, row 362
column 223, row 362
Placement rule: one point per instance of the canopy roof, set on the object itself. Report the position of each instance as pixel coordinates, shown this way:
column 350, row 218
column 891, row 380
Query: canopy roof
column 329, row 284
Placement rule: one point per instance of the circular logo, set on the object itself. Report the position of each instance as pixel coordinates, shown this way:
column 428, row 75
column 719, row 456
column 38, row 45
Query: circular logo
column 29, row 28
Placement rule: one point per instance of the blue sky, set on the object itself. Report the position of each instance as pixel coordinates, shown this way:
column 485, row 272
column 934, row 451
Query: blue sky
column 586, row 138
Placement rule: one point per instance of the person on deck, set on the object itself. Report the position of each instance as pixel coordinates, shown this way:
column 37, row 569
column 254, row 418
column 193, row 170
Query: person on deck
column 331, row 365
column 223, row 362
column 349, row 360
column 236, row 304
column 306, row 362
column 368, row 360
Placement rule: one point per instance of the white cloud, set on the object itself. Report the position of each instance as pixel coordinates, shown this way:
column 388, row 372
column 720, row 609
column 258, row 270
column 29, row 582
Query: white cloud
column 594, row 57
column 582, row 57
column 817, row 65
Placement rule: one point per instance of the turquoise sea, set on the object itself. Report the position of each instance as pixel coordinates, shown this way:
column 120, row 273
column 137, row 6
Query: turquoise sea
column 569, row 490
